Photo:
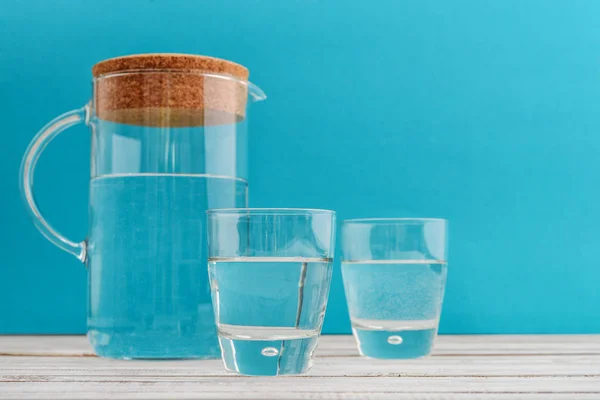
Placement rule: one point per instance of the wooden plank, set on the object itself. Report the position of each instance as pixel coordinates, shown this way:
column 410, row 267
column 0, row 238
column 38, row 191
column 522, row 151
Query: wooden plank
column 344, row 345
column 293, row 387
column 305, row 396
column 508, row 366
column 462, row 367
column 274, row 395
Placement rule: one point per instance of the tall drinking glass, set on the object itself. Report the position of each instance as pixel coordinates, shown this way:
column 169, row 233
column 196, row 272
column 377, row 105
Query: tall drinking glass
column 270, row 272
column 394, row 273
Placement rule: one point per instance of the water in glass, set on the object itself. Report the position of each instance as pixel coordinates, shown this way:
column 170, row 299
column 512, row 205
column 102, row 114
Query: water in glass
column 394, row 305
column 269, row 311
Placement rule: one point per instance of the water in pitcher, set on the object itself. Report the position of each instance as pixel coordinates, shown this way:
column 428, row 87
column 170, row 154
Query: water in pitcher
column 149, row 291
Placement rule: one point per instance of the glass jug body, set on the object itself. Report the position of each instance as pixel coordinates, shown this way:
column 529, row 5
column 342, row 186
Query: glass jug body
column 158, row 163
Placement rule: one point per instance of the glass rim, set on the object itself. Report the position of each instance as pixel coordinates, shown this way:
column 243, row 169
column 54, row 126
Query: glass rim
column 269, row 211
column 393, row 220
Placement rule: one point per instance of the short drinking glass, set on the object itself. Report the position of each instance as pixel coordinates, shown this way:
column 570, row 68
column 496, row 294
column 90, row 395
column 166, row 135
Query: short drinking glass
column 394, row 273
column 270, row 272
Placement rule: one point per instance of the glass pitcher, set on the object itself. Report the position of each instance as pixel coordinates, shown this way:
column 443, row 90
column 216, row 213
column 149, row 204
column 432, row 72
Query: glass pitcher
column 169, row 141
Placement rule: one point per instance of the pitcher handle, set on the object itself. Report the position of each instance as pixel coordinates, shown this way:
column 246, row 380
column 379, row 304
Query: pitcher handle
column 30, row 159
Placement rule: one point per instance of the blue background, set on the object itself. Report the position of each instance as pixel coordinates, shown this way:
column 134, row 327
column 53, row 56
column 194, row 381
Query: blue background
column 483, row 112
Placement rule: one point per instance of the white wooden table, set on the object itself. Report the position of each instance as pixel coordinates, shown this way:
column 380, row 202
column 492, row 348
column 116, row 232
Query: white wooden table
column 462, row 367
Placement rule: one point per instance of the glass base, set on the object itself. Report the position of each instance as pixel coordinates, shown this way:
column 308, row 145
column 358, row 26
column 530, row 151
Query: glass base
column 268, row 357
column 406, row 344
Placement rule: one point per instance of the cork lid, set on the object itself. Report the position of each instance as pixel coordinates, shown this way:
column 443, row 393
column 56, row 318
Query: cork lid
column 170, row 90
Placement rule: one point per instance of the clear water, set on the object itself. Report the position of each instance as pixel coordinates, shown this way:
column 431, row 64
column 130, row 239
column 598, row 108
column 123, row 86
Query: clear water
column 148, row 282
column 394, row 305
column 269, row 312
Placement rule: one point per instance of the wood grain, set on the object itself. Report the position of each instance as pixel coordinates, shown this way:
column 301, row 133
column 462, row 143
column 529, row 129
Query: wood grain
column 461, row 367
